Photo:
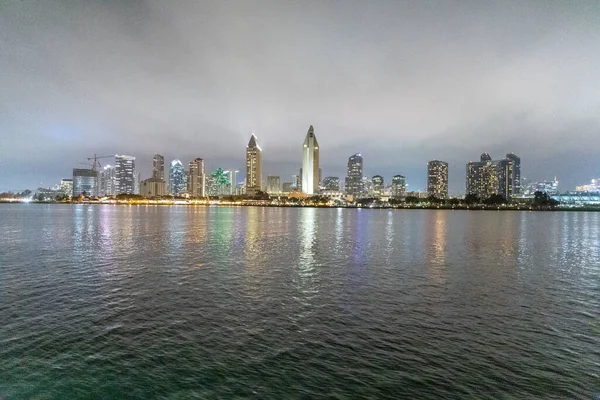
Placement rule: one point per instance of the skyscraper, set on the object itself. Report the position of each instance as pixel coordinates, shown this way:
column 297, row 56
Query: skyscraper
column 177, row 184
column 218, row 183
column 501, row 177
column 107, row 186
column 196, row 180
column 437, row 179
column 66, row 186
column 85, row 181
column 515, row 178
column 124, row 174
column 310, row 163
column 377, row 186
column 253, row 167
column 158, row 167
column 273, row 184
column 331, row 183
column 398, row 187
column 354, row 179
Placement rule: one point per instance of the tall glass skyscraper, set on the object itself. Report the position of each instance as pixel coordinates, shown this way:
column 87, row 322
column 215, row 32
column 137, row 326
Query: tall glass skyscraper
column 377, row 186
column 354, row 179
column 177, row 183
column 437, row 179
column 124, row 174
column 398, row 187
column 85, row 181
column 107, row 181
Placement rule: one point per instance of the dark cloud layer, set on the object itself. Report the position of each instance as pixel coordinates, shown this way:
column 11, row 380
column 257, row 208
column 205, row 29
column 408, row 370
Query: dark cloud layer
column 401, row 82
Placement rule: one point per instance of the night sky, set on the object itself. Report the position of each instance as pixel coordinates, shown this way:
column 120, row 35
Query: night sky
column 401, row 82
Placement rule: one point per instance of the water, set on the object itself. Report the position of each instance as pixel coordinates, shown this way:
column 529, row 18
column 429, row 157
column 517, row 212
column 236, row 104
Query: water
column 143, row 302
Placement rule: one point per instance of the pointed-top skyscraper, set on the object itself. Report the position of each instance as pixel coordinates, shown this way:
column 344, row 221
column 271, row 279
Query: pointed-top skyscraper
column 310, row 163
column 253, row 166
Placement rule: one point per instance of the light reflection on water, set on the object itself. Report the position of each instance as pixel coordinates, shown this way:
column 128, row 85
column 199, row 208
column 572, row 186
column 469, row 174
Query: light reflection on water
column 216, row 302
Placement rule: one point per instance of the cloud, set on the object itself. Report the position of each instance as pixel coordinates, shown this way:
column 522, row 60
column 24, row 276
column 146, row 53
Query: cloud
column 400, row 82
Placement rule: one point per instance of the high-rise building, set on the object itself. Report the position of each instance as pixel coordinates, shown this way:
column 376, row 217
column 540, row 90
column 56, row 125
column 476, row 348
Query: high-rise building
column 124, row 174
column 85, row 181
column 398, row 187
column 273, row 184
column 177, row 183
column 487, row 177
column 515, row 177
column 354, row 179
column 377, row 186
column 108, row 182
column 253, row 167
column 158, row 167
column 218, row 183
column 66, row 186
column 437, row 179
column 196, row 178
column 331, row 183
column 310, row 163
column 297, row 180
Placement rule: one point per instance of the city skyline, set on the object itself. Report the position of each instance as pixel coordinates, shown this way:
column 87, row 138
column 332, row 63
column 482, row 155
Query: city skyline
column 462, row 82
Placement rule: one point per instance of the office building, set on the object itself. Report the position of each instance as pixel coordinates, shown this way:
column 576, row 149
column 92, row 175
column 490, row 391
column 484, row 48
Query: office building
column 310, row 163
column 196, row 178
column 158, row 167
column 437, row 179
column 124, row 174
column 273, row 184
column 331, row 183
column 66, row 186
column 108, row 182
column 177, row 179
column 253, row 167
column 377, row 186
column 85, row 181
column 354, row 179
column 218, row 183
column 398, row 189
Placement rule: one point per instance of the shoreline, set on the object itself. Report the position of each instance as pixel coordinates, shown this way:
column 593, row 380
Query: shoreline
column 257, row 203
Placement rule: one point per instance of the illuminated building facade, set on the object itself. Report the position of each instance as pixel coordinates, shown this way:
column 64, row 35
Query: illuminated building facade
column 273, row 184
column 253, row 167
column 377, row 186
column 177, row 179
column 218, row 183
column 310, row 163
column 66, row 186
column 108, row 182
column 398, row 187
column 331, row 183
column 196, row 178
column 437, row 179
column 124, row 174
column 487, row 177
column 85, row 181
column 354, row 179
column 158, row 167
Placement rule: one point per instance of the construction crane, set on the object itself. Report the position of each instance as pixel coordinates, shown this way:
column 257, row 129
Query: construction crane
column 95, row 163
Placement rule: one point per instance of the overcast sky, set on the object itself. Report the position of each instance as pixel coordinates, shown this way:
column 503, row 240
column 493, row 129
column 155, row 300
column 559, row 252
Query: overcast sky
column 401, row 82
